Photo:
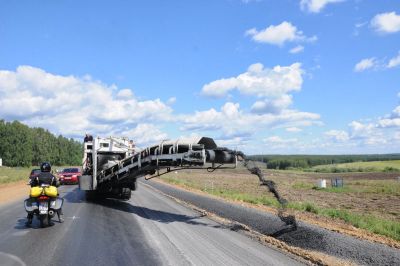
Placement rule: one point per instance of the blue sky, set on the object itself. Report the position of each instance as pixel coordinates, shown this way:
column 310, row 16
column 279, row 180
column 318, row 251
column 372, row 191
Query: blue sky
column 290, row 76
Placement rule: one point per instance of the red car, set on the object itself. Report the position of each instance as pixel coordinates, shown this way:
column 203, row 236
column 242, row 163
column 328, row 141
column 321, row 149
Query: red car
column 70, row 175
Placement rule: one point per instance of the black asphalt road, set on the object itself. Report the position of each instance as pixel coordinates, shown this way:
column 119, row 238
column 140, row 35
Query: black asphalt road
column 306, row 236
column 150, row 229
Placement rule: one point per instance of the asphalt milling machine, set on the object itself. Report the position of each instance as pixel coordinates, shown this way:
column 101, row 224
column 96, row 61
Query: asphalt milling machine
column 111, row 167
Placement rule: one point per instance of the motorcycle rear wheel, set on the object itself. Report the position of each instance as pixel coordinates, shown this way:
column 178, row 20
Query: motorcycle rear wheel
column 44, row 220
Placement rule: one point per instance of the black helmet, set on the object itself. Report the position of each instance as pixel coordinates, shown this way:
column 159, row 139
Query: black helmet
column 45, row 167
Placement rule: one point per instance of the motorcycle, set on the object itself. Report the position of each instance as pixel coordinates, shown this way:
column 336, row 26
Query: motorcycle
column 43, row 203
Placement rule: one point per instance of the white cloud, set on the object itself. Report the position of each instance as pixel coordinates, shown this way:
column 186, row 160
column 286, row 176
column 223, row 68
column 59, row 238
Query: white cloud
column 293, row 129
column 389, row 122
column 125, row 94
column 276, row 142
column 392, row 120
column 272, row 106
column 145, row 134
column 394, row 62
column 386, row 22
column 249, row 1
column 365, row 64
column 279, row 34
column 234, row 122
column 277, row 139
column 360, row 135
column 361, row 24
column 171, row 100
column 315, row 6
column 396, row 112
column 71, row 105
column 338, row 135
column 377, row 64
column 375, row 136
column 259, row 81
column 380, row 134
column 361, row 130
column 358, row 26
column 396, row 136
column 297, row 49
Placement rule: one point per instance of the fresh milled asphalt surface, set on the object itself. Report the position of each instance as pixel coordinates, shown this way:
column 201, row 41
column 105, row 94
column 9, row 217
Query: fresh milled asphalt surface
column 306, row 236
column 150, row 229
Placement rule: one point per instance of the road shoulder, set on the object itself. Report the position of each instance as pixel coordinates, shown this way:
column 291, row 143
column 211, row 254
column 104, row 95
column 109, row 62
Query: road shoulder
column 13, row 191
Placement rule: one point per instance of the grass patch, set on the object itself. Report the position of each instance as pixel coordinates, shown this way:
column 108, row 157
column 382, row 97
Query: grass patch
column 345, row 189
column 225, row 193
column 177, row 181
column 235, row 195
column 371, row 223
column 304, row 206
column 387, row 187
column 302, row 185
column 368, row 222
column 375, row 166
column 10, row 175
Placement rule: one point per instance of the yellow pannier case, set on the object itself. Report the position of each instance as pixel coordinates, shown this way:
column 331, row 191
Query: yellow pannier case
column 35, row 192
column 51, row 191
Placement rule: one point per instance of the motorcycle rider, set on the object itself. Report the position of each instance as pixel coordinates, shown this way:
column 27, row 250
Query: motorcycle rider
column 45, row 177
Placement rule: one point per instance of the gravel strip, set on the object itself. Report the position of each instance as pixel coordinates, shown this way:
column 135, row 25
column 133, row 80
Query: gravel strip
column 306, row 236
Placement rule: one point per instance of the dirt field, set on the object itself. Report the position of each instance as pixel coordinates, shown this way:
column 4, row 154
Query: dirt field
column 377, row 194
column 12, row 191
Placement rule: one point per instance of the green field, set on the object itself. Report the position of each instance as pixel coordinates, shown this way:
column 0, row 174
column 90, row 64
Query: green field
column 375, row 166
column 15, row 174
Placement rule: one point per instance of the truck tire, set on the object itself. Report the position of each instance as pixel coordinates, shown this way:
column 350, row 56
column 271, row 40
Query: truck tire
column 133, row 185
column 125, row 193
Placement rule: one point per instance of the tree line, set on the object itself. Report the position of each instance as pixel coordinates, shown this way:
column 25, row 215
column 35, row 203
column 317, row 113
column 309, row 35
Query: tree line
column 21, row 145
column 283, row 162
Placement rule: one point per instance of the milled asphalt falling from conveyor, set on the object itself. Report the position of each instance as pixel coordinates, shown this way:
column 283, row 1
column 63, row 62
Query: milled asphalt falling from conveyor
column 289, row 220
column 306, row 236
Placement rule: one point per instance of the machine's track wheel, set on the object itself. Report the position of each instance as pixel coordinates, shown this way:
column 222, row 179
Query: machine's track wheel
column 125, row 193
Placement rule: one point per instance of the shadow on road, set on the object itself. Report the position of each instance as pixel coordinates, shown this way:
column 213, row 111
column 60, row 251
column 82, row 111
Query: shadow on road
column 154, row 215
column 21, row 224
column 75, row 196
